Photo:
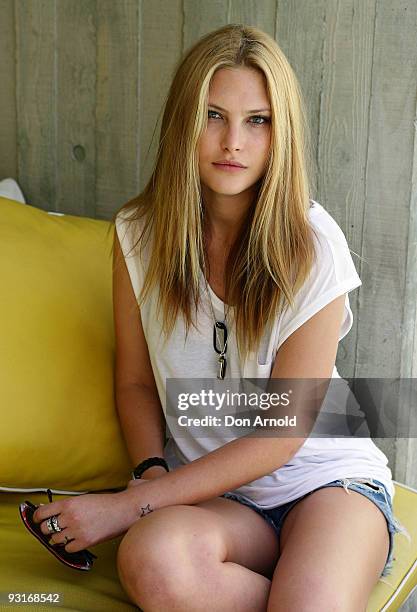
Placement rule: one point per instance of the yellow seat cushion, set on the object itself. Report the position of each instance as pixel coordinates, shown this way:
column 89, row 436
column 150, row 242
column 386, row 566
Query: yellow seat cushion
column 27, row 567
column 59, row 421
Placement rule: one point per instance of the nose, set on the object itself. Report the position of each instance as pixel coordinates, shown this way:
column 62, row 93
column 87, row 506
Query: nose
column 232, row 137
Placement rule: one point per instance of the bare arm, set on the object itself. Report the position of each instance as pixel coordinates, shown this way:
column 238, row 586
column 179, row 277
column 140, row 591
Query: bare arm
column 310, row 352
column 143, row 425
column 137, row 400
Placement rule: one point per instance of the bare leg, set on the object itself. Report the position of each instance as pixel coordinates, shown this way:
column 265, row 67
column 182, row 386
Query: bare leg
column 215, row 587
column 188, row 558
column 333, row 548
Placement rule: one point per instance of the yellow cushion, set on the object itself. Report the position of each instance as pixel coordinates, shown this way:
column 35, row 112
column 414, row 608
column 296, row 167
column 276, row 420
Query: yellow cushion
column 389, row 595
column 27, row 567
column 59, row 421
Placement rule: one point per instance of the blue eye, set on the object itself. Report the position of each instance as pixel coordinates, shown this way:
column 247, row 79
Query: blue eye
column 264, row 119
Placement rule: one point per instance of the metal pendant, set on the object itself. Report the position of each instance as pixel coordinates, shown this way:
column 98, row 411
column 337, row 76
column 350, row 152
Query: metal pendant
column 222, row 367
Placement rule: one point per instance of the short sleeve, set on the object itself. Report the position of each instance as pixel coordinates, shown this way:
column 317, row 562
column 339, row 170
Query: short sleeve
column 332, row 274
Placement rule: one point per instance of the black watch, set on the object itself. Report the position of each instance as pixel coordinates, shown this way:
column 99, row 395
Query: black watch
column 147, row 463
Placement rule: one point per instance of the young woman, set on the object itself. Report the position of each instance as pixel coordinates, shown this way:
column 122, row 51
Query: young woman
column 225, row 237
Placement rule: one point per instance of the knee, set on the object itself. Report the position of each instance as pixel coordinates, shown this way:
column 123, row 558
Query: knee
column 139, row 550
column 141, row 575
column 170, row 537
column 162, row 552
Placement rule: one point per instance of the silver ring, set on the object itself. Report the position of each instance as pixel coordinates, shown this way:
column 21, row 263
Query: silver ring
column 49, row 526
column 55, row 525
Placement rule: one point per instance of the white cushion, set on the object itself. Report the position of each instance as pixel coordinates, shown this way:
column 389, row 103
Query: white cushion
column 10, row 189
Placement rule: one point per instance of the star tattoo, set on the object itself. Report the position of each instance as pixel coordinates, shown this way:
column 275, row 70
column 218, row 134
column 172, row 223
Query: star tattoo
column 146, row 510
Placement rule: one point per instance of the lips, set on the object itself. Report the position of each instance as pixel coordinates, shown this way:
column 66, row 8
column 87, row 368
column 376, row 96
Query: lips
column 233, row 164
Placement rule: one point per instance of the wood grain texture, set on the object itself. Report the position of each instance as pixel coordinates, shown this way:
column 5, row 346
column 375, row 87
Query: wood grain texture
column 36, row 95
column 75, row 106
column 406, row 449
column 335, row 83
column 343, row 134
column 300, row 32
column 387, row 196
column 386, row 223
column 8, row 120
column 201, row 17
column 117, row 113
column 160, row 50
column 260, row 14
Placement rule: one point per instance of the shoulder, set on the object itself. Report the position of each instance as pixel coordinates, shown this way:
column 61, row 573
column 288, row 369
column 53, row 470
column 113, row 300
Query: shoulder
column 325, row 226
column 333, row 273
column 125, row 218
column 330, row 241
column 129, row 230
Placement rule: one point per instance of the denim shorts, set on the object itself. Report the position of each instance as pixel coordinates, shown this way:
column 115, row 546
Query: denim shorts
column 371, row 488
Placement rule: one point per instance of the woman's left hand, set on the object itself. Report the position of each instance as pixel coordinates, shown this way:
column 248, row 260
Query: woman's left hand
column 88, row 519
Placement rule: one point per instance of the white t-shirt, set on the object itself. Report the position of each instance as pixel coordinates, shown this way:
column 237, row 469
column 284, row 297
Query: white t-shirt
column 320, row 459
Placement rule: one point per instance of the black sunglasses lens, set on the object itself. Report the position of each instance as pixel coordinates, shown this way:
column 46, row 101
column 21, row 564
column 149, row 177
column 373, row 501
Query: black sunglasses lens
column 220, row 330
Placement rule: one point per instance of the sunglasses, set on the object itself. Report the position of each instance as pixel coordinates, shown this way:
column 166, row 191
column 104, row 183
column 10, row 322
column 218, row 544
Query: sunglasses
column 80, row 560
column 219, row 326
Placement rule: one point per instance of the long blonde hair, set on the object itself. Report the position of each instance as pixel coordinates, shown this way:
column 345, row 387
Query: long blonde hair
column 274, row 253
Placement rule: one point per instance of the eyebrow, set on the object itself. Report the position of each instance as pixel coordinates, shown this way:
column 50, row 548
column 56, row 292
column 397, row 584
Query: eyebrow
column 259, row 110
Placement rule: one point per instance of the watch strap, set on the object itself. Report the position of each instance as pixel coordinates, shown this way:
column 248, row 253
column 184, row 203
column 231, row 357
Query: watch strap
column 147, row 463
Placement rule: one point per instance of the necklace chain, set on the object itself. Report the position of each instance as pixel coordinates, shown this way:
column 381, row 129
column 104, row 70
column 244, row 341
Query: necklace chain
column 222, row 359
column 215, row 318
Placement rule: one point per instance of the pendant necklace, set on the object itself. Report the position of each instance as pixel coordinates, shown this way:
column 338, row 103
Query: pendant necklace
column 219, row 347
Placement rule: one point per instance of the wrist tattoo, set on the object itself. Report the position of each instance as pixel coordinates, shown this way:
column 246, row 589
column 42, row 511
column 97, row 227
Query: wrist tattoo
column 145, row 510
